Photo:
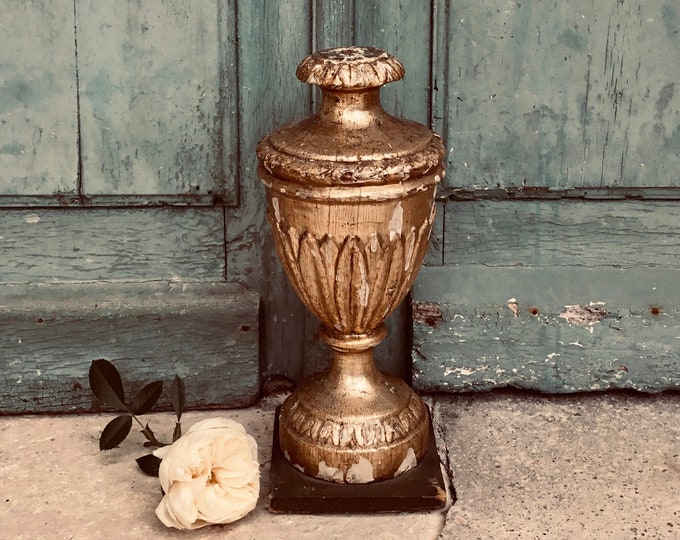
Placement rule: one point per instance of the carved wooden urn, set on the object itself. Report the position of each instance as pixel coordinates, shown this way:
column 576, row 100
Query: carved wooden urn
column 350, row 195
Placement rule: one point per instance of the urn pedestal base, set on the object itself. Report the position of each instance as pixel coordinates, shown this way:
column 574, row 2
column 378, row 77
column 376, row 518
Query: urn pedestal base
column 418, row 490
column 351, row 423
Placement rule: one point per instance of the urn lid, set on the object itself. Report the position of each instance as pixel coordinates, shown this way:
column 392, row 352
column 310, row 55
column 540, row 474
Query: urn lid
column 351, row 140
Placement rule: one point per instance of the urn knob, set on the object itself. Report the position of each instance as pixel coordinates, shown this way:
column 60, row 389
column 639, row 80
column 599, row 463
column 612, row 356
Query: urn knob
column 350, row 68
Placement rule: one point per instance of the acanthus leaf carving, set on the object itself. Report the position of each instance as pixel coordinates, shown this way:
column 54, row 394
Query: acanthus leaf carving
column 349, row 434
column 351, row 285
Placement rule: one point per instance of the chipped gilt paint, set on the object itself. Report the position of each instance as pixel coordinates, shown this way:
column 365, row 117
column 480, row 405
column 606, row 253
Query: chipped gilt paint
column 351, row 203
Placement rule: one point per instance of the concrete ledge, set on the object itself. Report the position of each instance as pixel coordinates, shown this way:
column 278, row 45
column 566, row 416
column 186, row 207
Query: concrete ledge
column 208, row 333
column 600, row 466
column 83, row 493
column 603, row 466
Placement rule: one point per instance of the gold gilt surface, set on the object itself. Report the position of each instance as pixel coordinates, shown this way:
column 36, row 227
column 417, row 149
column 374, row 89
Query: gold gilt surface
column 350, row 195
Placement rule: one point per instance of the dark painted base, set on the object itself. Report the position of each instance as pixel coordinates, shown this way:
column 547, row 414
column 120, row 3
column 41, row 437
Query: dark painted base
column 417, row 490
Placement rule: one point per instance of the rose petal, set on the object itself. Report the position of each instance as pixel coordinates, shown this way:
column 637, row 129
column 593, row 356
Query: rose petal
column 181, row 503
column 212, row 423
column 235, row 479
column 218, row 506
column 161, row 452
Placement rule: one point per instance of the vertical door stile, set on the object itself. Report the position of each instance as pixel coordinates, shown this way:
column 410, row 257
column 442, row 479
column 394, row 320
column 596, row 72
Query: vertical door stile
column 272, row 38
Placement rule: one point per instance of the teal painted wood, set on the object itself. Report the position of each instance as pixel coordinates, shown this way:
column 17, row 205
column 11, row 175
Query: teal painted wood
column 38, row 120
column 391, row 356
column 334, row 23
column 282, row 34
column 229, row 147
column 273, row 38
column 494, row 81
column 435, row 252
column 559, row 94
column 205, row 332
column 403, row 29
column 40, row 245
column 442, row 85
column 547, row 255
column 152, row 114
column 544, row 234
column 560, row 329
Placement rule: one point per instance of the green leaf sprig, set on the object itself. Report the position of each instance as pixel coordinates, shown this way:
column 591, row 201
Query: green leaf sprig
column 106, row 385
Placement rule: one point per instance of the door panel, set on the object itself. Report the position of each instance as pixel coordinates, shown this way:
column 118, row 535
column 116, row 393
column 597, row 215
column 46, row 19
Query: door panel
column 560, row 199
column 403, row 29
column 561, row 123
column 559, row 95
column 38, row 100
column 152, row 116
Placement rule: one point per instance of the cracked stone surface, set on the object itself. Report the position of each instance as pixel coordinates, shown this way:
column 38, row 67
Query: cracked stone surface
column 524, row 466
column 563, row 467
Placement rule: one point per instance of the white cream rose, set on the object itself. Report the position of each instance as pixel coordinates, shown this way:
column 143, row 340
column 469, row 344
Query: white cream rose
column 210, row 475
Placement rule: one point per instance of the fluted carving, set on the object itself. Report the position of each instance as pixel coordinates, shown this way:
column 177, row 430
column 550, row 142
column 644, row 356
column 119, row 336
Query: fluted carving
column 354, row 283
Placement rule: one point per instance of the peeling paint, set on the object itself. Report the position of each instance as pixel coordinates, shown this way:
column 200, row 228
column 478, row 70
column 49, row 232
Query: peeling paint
column 275, row 206
column 428, row 313
column 584, row 315
column 408, row 463
column 397, row 222
column 332, row 474
column 458, row 371
column 361, row 472
column 364, row 287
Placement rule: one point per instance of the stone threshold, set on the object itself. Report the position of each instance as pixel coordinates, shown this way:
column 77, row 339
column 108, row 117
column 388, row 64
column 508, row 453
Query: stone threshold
column 524, row 465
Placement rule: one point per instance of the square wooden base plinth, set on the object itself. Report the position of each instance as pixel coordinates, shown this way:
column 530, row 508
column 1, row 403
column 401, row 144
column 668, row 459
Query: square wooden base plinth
column 420, row 489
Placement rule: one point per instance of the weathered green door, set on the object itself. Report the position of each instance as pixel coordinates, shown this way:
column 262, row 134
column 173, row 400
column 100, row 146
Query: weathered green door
column 556, row 266
column 131, row 218
column 120, row 153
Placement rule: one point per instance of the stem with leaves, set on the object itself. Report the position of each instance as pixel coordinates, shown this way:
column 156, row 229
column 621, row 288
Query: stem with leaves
column 106, row 385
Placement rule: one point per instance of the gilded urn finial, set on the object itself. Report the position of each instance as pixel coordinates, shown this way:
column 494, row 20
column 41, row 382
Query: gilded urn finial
column 350, row 195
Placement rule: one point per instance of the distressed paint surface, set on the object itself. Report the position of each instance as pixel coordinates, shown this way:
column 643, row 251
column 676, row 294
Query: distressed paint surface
column 334, row 23
column 270, row 95
column 590, row 120
column 38, row 120
column 106, row 244
column 559, row 94
column 555, row 233
column 150, row 77
column 499, row 314
column 561, row 329
column 283, row 33
column 205, row 332
column 403, row 29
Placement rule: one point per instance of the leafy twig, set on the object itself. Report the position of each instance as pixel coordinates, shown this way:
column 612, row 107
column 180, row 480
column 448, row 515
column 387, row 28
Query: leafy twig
column 106, row 384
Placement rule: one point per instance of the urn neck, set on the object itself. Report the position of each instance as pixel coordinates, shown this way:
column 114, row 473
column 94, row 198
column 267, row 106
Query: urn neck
column 357, row 109
column 353, row 356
